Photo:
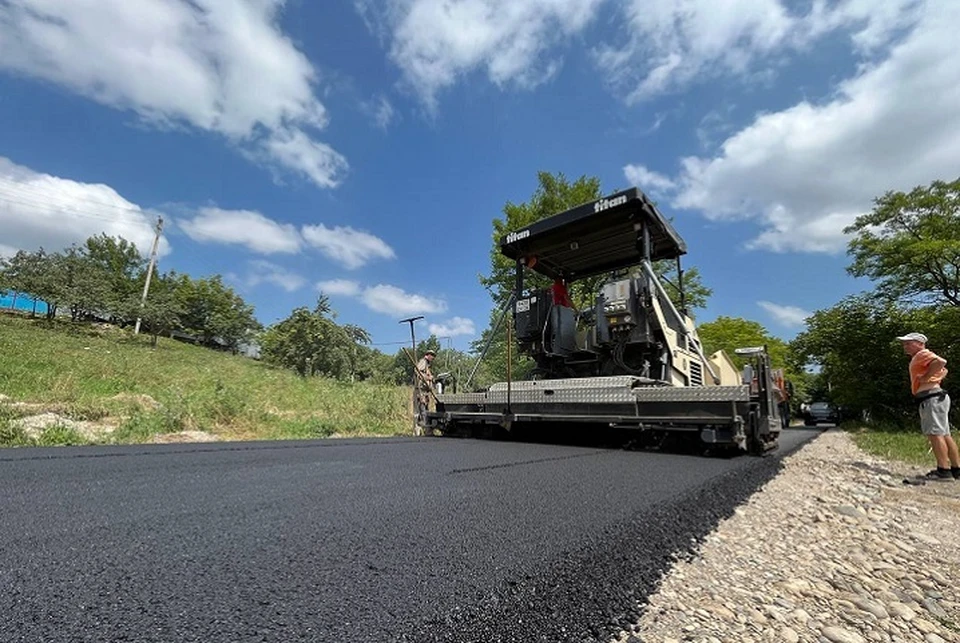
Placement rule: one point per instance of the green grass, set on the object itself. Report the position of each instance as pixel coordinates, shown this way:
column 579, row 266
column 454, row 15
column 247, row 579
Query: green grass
column 893, row 444
column 96, row 373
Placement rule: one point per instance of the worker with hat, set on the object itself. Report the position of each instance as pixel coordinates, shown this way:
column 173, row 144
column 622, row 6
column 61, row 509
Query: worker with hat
column 927, row 371
column 425, row 382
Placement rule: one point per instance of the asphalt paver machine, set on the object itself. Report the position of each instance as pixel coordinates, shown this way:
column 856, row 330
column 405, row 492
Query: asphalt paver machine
column 629, row 360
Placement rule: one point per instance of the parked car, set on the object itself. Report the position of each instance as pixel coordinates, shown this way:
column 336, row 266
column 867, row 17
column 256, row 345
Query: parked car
column 821, row 413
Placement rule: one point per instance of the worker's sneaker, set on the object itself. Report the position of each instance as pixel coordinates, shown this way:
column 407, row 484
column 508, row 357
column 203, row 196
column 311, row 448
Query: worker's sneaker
column 956, row 473
column 938, row 474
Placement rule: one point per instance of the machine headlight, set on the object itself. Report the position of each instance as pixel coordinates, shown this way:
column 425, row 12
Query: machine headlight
column 615, row 306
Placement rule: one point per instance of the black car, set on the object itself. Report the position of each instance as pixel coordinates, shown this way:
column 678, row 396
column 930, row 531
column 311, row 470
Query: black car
column 821, row 413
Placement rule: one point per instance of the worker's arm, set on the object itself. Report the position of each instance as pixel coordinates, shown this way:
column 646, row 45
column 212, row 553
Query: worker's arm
column 425, row 373
column 933, row 366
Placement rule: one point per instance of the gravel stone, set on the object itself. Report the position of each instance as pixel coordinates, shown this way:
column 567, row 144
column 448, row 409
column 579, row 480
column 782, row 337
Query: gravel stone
column 835, row 549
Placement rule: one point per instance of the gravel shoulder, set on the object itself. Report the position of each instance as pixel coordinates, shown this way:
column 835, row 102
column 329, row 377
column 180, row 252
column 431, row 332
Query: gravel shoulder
column 833, row 549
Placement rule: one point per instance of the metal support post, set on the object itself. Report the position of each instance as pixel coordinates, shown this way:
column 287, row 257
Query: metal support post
column 680, row 287
column 416, row 398
column 493, row 335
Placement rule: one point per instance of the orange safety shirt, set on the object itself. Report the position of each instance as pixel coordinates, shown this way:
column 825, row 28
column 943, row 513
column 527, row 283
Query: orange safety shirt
column 918, row 366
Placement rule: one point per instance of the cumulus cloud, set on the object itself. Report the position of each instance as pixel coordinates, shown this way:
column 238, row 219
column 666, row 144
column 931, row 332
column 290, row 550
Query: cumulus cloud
column 242, row 227
column 40, row 210
column 805, row 172
column 391, row 300
column 670, row 44
column 435, row 42
column 348, row 247
column 265, row 272
column 647, row 180
column 792, row 316
column 339, row 287
column 453, row 327
column 220, row 66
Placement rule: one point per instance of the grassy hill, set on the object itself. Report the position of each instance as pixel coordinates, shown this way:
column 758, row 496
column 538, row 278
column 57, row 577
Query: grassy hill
column 82, row 384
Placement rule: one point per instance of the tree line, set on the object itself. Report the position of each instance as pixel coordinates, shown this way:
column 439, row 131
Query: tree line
column 908, row 247
column 103, row 280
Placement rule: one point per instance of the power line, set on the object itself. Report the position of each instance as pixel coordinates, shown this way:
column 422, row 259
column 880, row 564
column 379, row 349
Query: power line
column 73, row 210
column 403, row 342
column 26, row 190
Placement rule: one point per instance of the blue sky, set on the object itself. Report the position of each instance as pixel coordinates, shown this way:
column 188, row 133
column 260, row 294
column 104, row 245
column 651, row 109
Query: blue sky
column 365, row 146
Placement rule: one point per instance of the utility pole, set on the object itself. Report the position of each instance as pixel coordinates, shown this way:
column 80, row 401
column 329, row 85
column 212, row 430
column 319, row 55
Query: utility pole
column 153, row 261
column 413, row 340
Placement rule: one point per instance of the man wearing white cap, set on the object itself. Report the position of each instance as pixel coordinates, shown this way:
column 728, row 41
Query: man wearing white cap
column 927, row 371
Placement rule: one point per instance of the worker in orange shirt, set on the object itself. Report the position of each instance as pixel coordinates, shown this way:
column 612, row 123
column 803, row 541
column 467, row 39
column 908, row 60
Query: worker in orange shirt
column 927, row 371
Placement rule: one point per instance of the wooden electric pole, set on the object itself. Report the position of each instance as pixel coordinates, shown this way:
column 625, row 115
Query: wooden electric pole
column 153, row 262
column 416, row 396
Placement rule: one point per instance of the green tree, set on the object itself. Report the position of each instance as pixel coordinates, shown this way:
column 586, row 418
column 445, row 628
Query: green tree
column 18, row 273
column 311, row 343
column 910, row 244
column 123, row 267
column 162, row 311
column 81, row 284
column 554, row 194
column 29, row 273
column 375, row 366
column 861, row 364
column 730, row 333
column 213, row 311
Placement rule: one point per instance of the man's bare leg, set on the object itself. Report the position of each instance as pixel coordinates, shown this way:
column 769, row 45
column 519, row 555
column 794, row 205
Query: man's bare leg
column 940, row 452
column 952, row 452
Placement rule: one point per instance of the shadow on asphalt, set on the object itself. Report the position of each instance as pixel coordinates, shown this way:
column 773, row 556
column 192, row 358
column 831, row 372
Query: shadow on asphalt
column 594, row 437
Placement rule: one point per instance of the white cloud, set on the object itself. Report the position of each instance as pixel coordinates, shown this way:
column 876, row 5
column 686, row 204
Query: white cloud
column 351, row 248
column 265, row 272
column 673, row 43
column 453, row 327
column 43, row 210
column 7, row 251
column 787, row 315
column 217, row 65
column 381, row 111
column 807, row 171
column 434, row 42
column 339, row 287
column 293, row 148
column 647, row 180
column 242, row 227
column 391, row 300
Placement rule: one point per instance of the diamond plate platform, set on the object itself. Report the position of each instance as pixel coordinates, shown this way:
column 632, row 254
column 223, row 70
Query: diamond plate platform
column 613, row 381
column 692, row 394
column 605, row 390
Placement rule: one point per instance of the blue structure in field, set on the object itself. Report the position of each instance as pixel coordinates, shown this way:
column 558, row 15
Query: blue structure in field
column 21, row 301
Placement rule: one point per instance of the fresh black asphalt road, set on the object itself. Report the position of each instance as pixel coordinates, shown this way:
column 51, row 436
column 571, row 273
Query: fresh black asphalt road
column 419, row 539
